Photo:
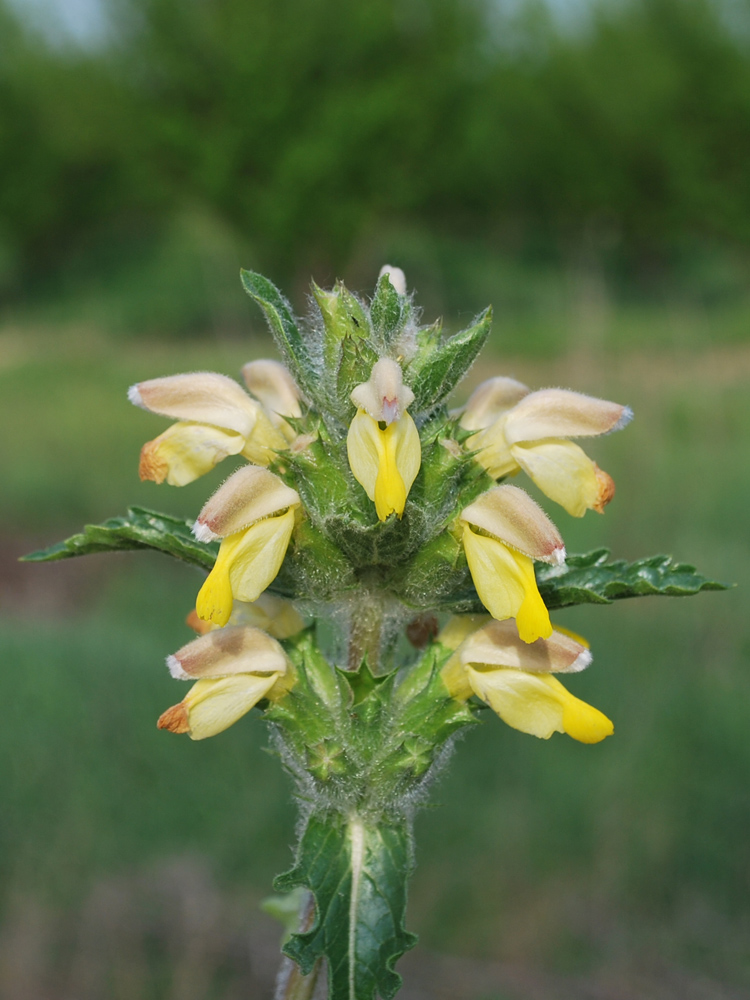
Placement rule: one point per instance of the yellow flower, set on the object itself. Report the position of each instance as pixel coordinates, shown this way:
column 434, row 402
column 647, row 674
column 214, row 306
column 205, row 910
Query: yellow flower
column 512, row 532
column 253, row 513
column 385, row 461
column 521, row 430
column 216, row 418
column 234, row 667
column 515, row 679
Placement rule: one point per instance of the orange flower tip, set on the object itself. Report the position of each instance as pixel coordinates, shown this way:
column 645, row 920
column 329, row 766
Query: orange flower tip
column 174, row 720
column 625, row 417
column 203, row 533
column 152, row 466
column 175, row 669
column 197, row 624
column 134, row 395
column 606, row 486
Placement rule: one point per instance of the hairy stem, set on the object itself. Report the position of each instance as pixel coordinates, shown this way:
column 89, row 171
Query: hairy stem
column 365, row 633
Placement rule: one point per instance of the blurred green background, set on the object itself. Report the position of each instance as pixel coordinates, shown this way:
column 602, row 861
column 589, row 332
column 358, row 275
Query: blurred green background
column 583, row 166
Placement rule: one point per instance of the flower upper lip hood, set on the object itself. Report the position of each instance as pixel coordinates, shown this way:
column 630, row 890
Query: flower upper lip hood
column 249, row 495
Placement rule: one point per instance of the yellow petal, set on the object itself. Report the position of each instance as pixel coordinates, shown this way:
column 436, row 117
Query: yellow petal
column 384, row 462
column 490, row 400
column 273, row 614
column 458, row 628
column 364, row 447
column 506, row 584
column 213, row 705
column 247, row 563
column 186, row 451
column 566, row 474
column 265, row 439
column 538, row 704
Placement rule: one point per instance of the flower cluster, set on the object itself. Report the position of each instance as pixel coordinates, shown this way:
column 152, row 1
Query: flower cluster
column 355, row 478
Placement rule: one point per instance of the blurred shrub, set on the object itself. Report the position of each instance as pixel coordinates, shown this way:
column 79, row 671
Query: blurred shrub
column 314, row 135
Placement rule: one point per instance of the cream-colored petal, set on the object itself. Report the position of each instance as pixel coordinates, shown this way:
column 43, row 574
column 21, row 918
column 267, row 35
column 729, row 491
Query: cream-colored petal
column 267, row 438
column 258, row 561
column 396, row 277
column 225, row 651
column 490, row 400
column 566, row 474
column 407, row 449
column 510, row 514
column 364, row 447
column 498, row 644
column 250, row 493
column 506, row 584
column 538, row 704
column 203, row 397
column 384, row 396
column 215, row 704
column 247, row 563
column 186, row 451
column 452, row 635
column 271, row 383
column 556, row 413
column 273, row 614
column 492, row 450
column 454, row 677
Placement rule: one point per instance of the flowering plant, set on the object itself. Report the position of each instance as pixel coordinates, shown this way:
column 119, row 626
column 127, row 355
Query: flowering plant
column 372, row 583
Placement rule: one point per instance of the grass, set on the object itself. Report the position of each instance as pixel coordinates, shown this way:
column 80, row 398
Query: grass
column 597, row 861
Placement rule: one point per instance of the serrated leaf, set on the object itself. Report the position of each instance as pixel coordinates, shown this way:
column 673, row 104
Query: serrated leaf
column 278, row 313
column 358, row 874
column 138, row 529
column 432, row 378
column 590, row 579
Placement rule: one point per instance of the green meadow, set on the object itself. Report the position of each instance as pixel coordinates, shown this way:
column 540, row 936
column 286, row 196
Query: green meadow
column 544, row 869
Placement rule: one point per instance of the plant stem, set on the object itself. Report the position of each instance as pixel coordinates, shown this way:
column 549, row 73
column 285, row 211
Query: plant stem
column 290, row 983
column 365, row 631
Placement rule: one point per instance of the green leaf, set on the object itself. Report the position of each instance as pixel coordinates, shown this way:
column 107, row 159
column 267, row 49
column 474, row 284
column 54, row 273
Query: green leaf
column 388, row 310
column 139, row 529
column 357, row 872
column 590, row 579
column 435, row 374
column 285, row 331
